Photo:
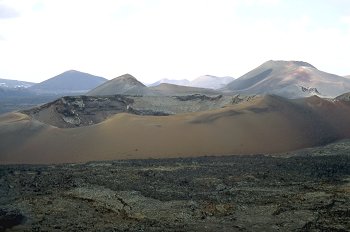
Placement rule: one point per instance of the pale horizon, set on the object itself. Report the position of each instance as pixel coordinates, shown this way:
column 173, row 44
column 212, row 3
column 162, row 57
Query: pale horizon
column 154, row 39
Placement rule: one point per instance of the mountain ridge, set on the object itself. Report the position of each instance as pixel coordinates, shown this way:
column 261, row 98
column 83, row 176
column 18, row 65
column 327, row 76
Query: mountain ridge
column 205, row 81
column 71, row 81
column 290, row 79
column 124, row 84
column 8, row 83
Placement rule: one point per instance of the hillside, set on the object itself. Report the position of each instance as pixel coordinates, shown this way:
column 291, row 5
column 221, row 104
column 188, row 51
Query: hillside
column 6, row 83
column 129, row 85
column 125, row 84
column 79, row 111
column 267, row 124
column 344, row 97
column 290, row 79
column 69, row 82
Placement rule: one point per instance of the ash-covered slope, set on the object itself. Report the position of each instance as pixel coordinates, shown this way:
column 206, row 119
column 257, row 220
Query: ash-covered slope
column 71, row 81
column 268, row 124
column 290, row 79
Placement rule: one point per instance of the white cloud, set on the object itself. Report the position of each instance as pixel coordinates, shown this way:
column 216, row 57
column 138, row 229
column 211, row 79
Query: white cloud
column 261, row 2
column 160, row 39
column 346, row 20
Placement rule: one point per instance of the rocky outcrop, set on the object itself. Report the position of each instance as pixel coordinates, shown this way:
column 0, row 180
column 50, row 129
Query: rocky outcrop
column 79, row 111
column 76, row 111
column 241, row 98
column 344, row 97
column 310, row 90
column 10, row 218
column 197, row 97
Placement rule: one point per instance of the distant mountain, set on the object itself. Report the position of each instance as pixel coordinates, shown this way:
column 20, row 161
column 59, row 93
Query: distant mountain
column 12, row 99
column 206, row 81
column 347, row 76
column 183, row 82
column 211, row 82
column 172, row 90
column 6, row 83
column 125, row 84
column 129, row 85
column 292, row 79
column 69, row 82
column 15, row 92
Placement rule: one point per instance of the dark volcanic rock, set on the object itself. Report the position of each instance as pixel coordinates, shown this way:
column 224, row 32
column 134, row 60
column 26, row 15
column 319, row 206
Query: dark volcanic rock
column 344, row 97
column 197, row 97
column 310, row 90
column 147, row 112
column 76, row 111
column 233, row 193
column 10, row 218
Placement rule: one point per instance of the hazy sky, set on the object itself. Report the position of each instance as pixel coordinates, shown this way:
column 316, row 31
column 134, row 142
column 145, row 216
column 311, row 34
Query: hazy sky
column 154, row 39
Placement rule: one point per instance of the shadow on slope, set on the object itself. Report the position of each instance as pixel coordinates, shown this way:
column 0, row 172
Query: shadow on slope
column 267, row 124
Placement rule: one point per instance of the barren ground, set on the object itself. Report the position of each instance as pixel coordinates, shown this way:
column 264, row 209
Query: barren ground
column 307, row 192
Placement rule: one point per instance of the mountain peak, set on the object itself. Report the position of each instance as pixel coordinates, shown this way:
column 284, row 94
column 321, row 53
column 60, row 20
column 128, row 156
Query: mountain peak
column 304, row 64
column 124, row 84
column 71, row 71
column 288, row 63
column 126, row 76
column 71, row 81
column 128, row 79
column 285, row 78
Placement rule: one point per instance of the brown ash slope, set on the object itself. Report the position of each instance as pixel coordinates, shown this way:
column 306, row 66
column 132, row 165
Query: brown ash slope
column 267, row 124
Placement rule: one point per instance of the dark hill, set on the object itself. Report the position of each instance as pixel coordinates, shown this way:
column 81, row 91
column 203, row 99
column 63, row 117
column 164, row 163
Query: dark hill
column 69, row 82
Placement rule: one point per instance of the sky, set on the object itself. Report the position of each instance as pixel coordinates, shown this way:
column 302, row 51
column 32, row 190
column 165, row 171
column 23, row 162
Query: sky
column 174, row 39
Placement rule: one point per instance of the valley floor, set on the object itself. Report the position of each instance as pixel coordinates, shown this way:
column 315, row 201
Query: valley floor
column 307, row 192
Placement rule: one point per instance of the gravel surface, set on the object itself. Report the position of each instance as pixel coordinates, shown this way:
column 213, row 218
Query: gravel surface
column 234, row 193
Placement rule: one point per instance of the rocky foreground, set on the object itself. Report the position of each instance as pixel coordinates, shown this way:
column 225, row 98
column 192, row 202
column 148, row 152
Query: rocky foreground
column 307, row 192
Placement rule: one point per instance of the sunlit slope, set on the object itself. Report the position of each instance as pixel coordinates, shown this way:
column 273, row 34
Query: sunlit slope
column 267, row 124
column 292, row 79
